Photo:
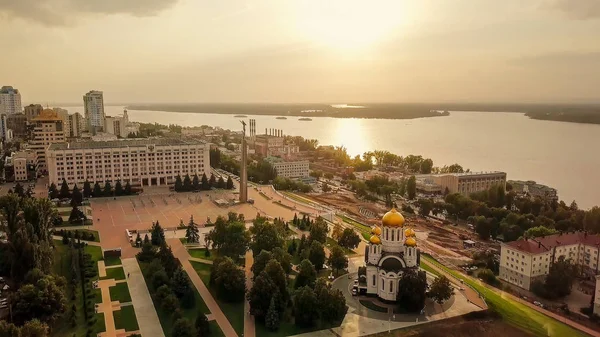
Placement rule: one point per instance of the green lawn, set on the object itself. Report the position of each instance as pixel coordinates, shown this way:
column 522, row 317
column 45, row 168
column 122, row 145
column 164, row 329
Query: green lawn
column 125, row 319
column 215, row 329
column 100, row 325
column 200, row 254
column 117, row 273
column 288, row 328
column 331, row 242
column 373, row 306
column 513, row 312
column 112, row 261
column 363, row 229
column 233, row 311
column 299, row 199
column 427, row 268
column 165, row 317
column 120, row 292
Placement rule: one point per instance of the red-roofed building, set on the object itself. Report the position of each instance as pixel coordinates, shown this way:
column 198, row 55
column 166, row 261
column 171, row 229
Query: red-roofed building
column 523, row 261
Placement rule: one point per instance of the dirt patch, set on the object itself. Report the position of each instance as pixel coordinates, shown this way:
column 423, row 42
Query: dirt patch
column 459, row 327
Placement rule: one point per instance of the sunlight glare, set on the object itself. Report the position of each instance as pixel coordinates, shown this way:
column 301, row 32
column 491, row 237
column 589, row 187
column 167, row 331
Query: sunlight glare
column 347, row 25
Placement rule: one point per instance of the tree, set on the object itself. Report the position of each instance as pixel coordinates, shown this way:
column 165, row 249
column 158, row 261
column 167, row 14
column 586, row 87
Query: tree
column 43, row 299
column 76, row 196
column 196, row 182
column 411, row 187
column 260, row 262
column 178, row 184
column 168, row 260
column 148, row 251
column 272, row 318
column 119, row 188
column 229, row 280
column 307, row 274
column 187, row 183
column 317, row 254
column 229, row 238
column 560, row 278
column 183, row 328
column 278, row 276
column 426, row 166
column 76, row 215
column 259, row 297
column 107, row 191
column 212, row 182
column 191, row 231
column 411, row 290
column 337, row 258
column 64, row 190
column 53, row 192
column 205, row 184
column 221, row 183
column 160, row 278
column 487, row 276
column 336, row 233
column 440, row 290
column 97, row 190
column 9, row 329
column 157, row 234
column 331, row 302
column 284, row 258
column 425, row 206
column 182, row 287
column 305, row 307
column 349, row 239
column 229, row 183
column 202, row 326
column 34, row 328
column 87, row 189
column 535, row 232
column 128, row 190
column 265, row 236
column 318, row 231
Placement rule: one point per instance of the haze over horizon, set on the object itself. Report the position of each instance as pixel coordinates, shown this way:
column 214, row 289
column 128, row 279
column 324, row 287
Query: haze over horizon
column 269, row 51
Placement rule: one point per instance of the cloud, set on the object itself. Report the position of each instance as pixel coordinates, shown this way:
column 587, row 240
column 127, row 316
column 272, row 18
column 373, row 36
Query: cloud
column 576, row 9
column 64, row 12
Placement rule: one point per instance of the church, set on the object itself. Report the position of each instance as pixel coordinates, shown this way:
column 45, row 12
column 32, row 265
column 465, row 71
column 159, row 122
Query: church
column 392, row 249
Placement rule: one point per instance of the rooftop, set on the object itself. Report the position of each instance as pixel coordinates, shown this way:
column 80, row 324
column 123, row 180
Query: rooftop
column 124, row 143
column 467, row 174
column 546, row 243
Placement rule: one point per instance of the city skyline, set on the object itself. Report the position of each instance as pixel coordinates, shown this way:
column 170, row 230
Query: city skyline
column 303, row 51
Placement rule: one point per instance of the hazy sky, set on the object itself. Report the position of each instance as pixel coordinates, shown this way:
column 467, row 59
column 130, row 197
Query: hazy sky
column 302, row 51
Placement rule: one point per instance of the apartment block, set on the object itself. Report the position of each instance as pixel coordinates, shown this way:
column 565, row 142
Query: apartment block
column 32, row 110
column 523, row 261
column 469, row 182
column 93, row 104
column 48, row 129
column 10, row 100
column 145, row 162
column 289, row 169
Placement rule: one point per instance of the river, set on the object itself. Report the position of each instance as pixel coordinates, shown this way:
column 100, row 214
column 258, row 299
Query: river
column 562, row 155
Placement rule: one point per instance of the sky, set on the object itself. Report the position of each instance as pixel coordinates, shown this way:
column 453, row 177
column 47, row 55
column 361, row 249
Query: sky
column 297, row 51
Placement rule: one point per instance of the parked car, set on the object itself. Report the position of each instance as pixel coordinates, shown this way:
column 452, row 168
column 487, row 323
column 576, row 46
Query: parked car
column 354, row 291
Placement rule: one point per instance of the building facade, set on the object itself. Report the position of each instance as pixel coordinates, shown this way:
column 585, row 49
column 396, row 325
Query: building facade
column 10, row 100
column 597, row 296
column 77, row 124
column 24, row 163
column 469, row 182
column 523, row 261
column 117, row 125
column 534, row 189
column 32, row 110
column 289, row 169
column 48, row 129
column 93, row 105
column 18, row 124
column 145, row 162
column 392, row 249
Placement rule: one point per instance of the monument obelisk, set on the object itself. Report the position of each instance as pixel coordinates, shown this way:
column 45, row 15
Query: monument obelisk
column 243, row 171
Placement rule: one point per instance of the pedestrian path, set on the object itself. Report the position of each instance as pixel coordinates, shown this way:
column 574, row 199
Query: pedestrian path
column 142, row 302
column 184, row 257
column 90, row 243
column 195, row 259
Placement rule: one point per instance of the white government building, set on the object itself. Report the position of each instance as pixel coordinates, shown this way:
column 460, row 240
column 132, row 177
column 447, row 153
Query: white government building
column 145, row 162
column 392, row 249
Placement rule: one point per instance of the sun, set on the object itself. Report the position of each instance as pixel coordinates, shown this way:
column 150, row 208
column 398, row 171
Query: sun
column 347, row 25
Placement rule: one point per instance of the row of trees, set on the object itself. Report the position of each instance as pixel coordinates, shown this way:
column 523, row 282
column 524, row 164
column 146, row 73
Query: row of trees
column 77, row 195
column 287, row 184
column 201, row 184
column 26, row 257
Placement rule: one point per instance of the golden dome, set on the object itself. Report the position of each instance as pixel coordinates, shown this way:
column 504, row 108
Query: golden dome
column 375, row 240
column 393, row 218
column 411, row 242
column 47, row 115
column 376, row 230
column 409, row 233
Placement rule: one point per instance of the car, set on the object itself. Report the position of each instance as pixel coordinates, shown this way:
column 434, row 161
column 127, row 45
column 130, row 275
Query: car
column 354, row 291
column 330, row 277
column 355, row 282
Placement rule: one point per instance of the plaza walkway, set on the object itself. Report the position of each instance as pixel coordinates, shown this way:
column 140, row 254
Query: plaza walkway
column 142, row 302
column 181, row 253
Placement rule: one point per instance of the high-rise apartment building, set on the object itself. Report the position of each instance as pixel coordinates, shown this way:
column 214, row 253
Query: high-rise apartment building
column 18, row 124
column 48, row 129
column 64, row 115
column 93, row 104
column 32, row 110
column 146, row 162
column 10, row 100
column 76, row 122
